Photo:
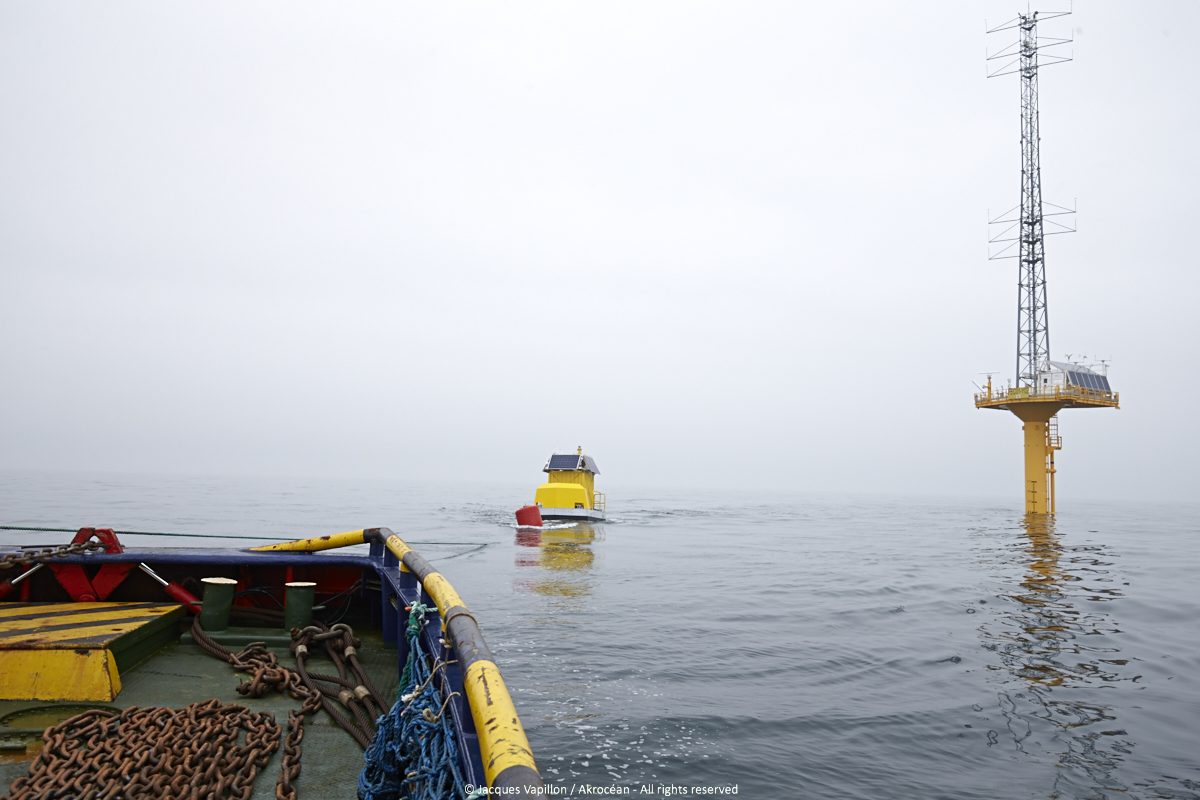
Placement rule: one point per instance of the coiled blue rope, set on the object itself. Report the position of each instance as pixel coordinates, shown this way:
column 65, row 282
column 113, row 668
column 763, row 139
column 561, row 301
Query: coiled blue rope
column 413, row 755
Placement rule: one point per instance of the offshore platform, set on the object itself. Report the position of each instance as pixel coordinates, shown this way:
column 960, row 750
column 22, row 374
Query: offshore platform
column 1042, row 387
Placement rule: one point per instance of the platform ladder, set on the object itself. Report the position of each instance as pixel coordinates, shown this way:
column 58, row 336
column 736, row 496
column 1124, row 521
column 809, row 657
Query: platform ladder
column 1053, row 442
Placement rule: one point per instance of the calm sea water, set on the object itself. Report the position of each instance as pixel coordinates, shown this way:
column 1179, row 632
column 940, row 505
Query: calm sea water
column 800, row 647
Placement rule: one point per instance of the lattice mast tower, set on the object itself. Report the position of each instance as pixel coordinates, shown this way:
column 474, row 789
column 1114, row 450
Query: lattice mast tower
column 1042, row 387
column 1033, row 317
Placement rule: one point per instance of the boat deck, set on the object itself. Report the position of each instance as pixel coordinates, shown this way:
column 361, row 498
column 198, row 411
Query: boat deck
column 181, row 673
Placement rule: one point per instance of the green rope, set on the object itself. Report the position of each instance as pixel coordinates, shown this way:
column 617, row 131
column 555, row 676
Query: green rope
column 415, row 752
column 416, row 621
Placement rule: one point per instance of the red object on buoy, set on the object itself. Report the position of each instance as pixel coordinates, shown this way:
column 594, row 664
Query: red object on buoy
column 530, row 516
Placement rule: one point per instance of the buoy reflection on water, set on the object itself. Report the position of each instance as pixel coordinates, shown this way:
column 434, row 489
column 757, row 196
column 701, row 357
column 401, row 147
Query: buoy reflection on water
column 562, row 557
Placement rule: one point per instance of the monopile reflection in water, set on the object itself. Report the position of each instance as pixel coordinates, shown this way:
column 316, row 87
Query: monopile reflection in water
column 1057, row 638
column 559, row 550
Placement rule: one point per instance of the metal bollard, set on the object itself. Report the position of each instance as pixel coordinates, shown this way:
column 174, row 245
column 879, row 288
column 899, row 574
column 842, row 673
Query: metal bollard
column 218, row 600
column 298, row 604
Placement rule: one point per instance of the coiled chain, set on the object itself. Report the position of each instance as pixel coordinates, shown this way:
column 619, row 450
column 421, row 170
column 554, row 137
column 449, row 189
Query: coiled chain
column 203, row 750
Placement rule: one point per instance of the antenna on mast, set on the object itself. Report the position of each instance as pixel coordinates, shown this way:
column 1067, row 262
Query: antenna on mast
column 1025, row 224
column 1043, row 388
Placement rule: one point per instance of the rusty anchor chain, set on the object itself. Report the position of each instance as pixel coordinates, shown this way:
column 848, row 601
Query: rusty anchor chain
column 267, row 675
column 289, row 769
column 204, row 750
column 208, row 749
column 350, row 698
column 36, row 555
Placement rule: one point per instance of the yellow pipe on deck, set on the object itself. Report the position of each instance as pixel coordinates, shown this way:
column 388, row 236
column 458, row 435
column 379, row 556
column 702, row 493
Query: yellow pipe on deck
column 327, row 542
column 398, row 547
column 442, row 593
column 502, row 740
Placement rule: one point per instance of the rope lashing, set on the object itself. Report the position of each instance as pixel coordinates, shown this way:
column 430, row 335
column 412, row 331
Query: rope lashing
column 414, row 755
column 350, row 690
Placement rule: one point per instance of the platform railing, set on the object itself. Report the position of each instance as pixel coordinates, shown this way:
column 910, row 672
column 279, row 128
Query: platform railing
column 1068, row 392
column 598, row 501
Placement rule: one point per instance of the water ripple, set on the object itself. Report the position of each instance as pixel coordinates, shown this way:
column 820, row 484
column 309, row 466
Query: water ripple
column 812, row 646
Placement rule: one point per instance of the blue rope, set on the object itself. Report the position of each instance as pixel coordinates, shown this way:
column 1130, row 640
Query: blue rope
column 413, row 755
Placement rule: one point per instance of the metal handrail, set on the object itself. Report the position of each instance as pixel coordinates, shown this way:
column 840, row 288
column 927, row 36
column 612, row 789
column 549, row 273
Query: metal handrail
column 1060, row 392
column 598, row 501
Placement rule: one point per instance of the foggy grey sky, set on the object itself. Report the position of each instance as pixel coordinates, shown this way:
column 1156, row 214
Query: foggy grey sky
column 716, row 243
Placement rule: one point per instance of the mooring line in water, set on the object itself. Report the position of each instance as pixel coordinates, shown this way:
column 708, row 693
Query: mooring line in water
column 142, row 533
column 467, row 552
column 198, row 535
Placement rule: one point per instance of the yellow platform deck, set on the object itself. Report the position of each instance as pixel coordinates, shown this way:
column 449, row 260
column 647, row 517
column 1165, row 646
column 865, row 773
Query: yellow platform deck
column 76, row 651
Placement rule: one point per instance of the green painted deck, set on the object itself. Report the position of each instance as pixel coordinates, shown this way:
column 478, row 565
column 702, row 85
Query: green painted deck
column 181, row 673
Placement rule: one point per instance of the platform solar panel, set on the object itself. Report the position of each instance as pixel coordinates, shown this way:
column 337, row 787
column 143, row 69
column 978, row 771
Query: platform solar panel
column 560, row 461
column 1089, row 380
